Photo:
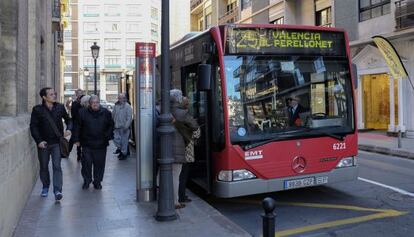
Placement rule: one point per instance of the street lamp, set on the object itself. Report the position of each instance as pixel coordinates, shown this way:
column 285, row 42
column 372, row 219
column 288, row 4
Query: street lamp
column 86, row 76
column 95, row 55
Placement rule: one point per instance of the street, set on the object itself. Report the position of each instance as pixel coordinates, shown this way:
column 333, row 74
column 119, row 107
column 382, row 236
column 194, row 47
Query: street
column 379, row 203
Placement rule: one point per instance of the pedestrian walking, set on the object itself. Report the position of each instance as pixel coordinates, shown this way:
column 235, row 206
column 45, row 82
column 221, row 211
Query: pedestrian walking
column 185, row 125
column 46, row 128
column 94, row 129
column 76, row 106
column 122, row 116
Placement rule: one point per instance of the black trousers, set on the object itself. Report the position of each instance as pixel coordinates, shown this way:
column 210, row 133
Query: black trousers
column 93, row 159
column 185, row 172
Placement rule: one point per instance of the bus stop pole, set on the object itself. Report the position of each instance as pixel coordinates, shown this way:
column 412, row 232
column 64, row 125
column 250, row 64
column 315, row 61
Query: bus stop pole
column 166, row 208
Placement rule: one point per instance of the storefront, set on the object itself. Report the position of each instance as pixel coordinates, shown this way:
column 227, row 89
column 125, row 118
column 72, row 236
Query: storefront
column 383, row 102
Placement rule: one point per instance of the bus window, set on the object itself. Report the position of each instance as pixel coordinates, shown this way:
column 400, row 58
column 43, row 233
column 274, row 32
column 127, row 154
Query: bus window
column 278, row 95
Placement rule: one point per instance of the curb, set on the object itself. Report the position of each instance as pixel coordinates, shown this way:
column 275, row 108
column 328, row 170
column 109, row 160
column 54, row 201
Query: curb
column 387, row 151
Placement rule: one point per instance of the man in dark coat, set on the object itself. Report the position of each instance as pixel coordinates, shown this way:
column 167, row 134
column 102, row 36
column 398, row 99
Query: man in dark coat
column 47, row 140
column 94, row 129
column 294, row 110
column 76, row 106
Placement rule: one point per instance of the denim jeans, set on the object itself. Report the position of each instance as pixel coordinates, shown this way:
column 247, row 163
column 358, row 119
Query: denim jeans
column 44, row 158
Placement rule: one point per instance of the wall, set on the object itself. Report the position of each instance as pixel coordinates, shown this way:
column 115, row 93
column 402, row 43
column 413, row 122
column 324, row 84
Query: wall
column 346, row 16
column 18, row 170
column 25, row 66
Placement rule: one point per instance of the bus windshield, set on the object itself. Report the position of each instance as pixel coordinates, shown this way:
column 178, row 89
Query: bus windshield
column 287, row 96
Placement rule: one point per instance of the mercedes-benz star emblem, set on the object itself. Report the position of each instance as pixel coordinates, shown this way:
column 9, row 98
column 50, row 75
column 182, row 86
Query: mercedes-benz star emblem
column 299, row 164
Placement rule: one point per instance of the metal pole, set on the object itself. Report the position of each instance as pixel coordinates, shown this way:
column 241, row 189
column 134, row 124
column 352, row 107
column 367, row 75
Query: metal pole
column 166, row 208
column 399, row 138
column 94, row 80
column 269, row 206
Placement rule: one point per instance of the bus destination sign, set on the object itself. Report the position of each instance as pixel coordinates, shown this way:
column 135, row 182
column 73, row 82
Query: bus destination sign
column 284, row 42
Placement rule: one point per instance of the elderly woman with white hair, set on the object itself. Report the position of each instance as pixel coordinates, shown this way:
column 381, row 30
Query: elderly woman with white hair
column 185, row 125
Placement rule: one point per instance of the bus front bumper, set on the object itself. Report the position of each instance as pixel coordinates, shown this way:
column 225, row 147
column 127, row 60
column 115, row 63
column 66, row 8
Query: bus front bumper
column 256, row 186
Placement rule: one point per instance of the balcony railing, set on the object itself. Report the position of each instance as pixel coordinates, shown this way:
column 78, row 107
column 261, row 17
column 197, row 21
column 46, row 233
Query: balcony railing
column 195, row 3
column 404, row 14
column 229, row 17
column 56, row 10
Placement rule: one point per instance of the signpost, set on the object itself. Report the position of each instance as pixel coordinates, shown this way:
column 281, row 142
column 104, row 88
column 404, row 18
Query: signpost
column 144, row 102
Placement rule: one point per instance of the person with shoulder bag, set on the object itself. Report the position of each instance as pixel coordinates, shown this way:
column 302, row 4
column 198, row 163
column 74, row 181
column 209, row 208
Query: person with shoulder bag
column 46, row 128
column 183, row 147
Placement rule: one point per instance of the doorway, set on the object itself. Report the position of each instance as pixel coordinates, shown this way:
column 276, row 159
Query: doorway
column 376, row 101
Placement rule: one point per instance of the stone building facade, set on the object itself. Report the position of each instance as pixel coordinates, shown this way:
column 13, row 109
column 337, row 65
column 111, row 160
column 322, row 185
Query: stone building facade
column 27, row 63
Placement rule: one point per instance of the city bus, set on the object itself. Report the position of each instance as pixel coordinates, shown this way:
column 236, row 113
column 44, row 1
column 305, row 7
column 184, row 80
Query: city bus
column 275, row 105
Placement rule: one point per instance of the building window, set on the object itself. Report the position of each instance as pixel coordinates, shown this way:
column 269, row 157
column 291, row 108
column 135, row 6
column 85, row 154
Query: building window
column 369, row 9
column 245, row 4
column 112, row 10
column 208, row 21
column 112, row 44
column 132, row 27
column 154, row 13
column 112, row 80
column 130, row 44
column 90, row 10
column 112, row 27
column 324, row 17
column 88, row 61
column 231, row 5
column 133, row 10
column 278, row 21
column 154, row 30
column 130, row 61
column 88, row 43
column 112, row 61
column 90, row 27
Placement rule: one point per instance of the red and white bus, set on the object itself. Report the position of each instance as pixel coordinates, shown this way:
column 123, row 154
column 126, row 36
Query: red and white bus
column 276, row 110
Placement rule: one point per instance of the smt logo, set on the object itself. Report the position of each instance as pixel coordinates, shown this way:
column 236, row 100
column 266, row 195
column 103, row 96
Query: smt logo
column 253, row 155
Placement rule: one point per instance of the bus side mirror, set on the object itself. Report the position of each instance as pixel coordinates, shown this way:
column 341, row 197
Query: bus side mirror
column 354, row 75
column 204, row 77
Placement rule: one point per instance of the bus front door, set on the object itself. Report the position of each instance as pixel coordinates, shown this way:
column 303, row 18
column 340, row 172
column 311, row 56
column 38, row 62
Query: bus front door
column 198, row 107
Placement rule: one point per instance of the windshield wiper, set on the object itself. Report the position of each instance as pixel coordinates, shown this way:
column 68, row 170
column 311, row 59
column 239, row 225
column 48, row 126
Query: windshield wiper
column 333, row 135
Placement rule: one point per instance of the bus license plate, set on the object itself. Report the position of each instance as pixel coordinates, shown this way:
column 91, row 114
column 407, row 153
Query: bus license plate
column 299, row 183
column 306, row 182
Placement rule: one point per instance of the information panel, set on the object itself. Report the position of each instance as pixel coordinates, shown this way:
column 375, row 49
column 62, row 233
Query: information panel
column 284, row 42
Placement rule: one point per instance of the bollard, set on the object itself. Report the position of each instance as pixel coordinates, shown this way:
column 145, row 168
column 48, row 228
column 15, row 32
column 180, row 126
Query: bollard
column 399, row 139
column 269, row 206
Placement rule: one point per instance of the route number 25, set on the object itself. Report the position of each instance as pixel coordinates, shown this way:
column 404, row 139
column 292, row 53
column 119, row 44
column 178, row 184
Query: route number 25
column 339, row 146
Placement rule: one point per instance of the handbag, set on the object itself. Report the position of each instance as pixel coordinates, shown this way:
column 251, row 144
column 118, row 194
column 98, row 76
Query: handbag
column 63, row 143
column 189, row 152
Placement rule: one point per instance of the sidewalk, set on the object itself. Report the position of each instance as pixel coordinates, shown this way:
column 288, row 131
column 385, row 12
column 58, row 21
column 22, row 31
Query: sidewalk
column 113, row 211
column 379, row 142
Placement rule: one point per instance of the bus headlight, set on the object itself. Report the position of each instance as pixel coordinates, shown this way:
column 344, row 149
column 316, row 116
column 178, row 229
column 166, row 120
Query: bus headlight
column 346, row 162
column 242, row 175
column 225, row 175
column 235, row 175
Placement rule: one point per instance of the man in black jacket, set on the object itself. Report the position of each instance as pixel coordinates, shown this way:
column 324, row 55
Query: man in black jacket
column 94, row 129
column 47, row 140
column 76, row 106
column 294, row 110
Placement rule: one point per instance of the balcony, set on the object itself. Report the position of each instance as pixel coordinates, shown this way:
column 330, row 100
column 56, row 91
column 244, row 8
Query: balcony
column 230, row 16
column 56, row 11
column 404, row 14
column 195, row 4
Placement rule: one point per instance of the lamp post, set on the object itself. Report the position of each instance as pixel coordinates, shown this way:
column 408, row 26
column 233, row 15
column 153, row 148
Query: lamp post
column 166, row 210
column 95, row 55
column 86, row 76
